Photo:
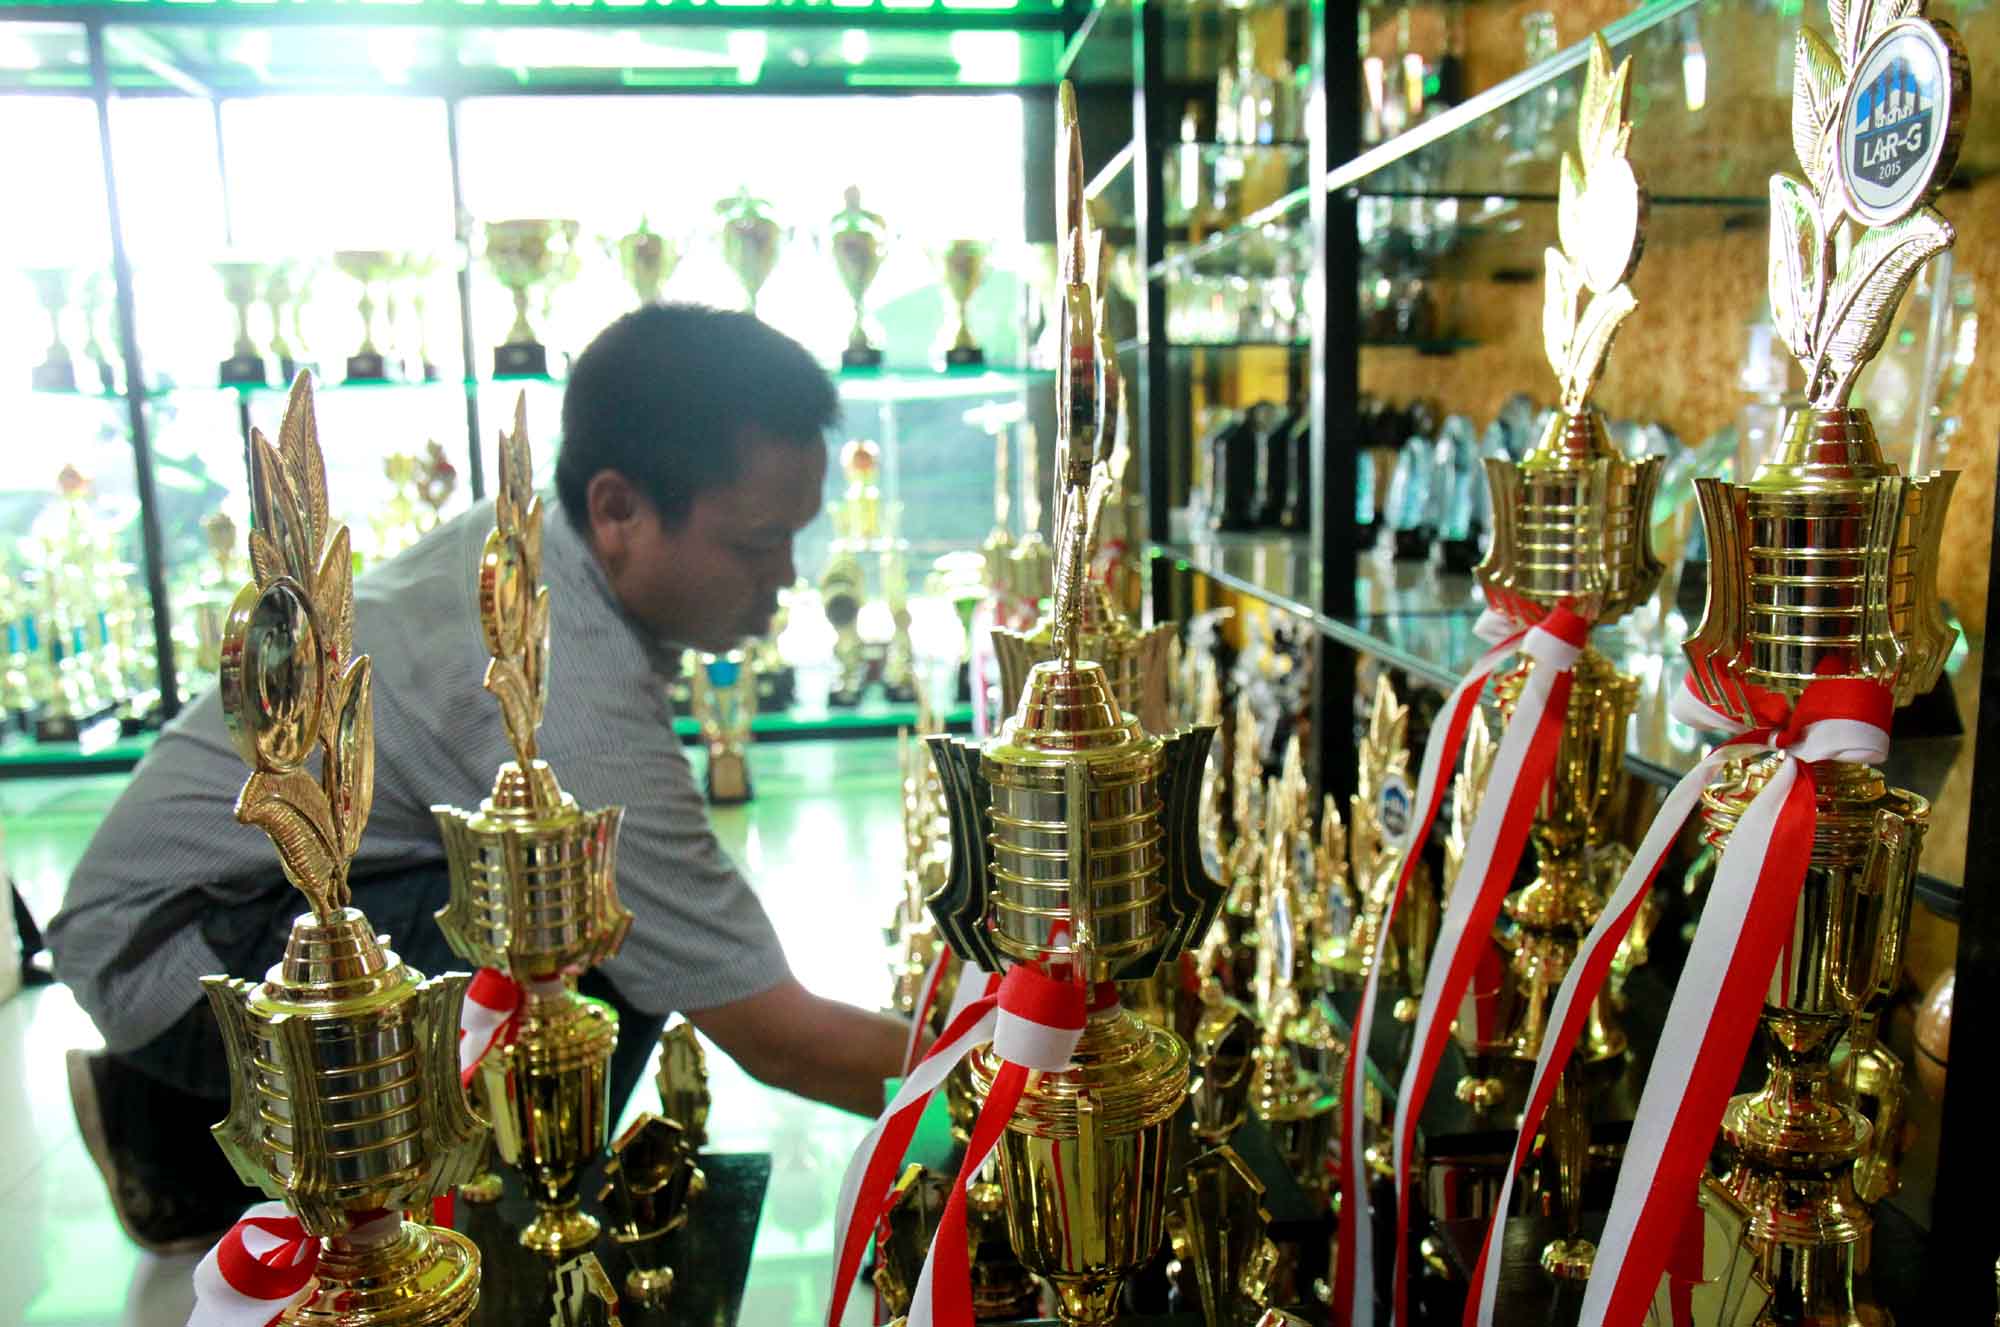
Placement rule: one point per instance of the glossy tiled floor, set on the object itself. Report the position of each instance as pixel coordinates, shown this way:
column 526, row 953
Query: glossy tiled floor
column 822, row 845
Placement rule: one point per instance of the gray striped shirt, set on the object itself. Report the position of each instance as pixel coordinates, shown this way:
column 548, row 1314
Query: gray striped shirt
column 128, row 939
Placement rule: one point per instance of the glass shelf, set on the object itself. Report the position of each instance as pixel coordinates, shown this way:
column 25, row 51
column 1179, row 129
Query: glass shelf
column 873, row 717
column 101, row 750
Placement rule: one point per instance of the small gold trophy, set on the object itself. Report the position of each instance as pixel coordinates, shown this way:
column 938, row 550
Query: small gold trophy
column 344, row 1094
column 1824, row 568
column 534, row 892
column 57, row 371
column 651, row 1182
column 1075, row 845
column 368, row 268
column 857, row 239
column 964, row 263
column 1381, row 818
column 648, row 259
column 241, row 282
column 523, row 254
column 1217, row 1220
column 843, row 586
column 750, row 240
column 682, row 1080
column 724, row 703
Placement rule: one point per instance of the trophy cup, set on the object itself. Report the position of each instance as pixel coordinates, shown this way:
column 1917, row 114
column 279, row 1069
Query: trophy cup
column 1823, row 567
column 648, row 259
column 57, row 371
column 724, row 702
column 650, row 1184
column 344, row 1092
column 241, row 283
column 1572, row 526
column 368, row 267
column 522, row 254
column 534, row 892
column 750, row 240
column 1073, row 833
column 964, row 264
column 857, row 241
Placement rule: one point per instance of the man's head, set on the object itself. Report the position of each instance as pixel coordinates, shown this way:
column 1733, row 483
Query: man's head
column 692, row 452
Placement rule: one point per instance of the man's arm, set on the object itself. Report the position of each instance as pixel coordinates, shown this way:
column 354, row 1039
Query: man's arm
column 789, row 1038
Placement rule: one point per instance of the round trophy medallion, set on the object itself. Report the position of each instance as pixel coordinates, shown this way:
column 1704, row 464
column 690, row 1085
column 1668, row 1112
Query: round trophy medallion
column 1902, row 120
column 1394, row 804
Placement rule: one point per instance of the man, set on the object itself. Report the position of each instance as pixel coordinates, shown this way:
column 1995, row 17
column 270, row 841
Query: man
column 692, row 453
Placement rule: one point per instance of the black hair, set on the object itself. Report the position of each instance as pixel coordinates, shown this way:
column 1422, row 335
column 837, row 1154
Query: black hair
column 664, row 396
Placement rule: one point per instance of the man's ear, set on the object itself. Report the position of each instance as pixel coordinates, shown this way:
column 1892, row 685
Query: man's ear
column 615, row 507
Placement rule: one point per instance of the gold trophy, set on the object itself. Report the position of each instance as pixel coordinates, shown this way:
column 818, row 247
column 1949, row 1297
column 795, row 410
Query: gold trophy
column 858, row 238
column 280, row 279
column 843, row 587
column 682, row 1080
column 344, row 1094
column 750, row 241
column 241, row 283
column 368, row 268
column 1571, row 525
column 523, row 254
column 648, row 259
column 1381, row 817
column 650, row 1184
column 534, row 892
column 1824, row 566
column 724, row 703
column 1217, row 1221
column 964, row 263
column 1074, row 845
column 57, row 371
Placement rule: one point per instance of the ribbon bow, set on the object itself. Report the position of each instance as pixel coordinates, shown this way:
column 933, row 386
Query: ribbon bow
column 1499, row 834
column 491, row 1014
column 261, row 1265
column 1733, row 963
column 1034, row 1022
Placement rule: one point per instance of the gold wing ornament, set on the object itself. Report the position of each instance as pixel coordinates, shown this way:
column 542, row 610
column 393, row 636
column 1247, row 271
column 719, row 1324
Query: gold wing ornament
column 513, row 602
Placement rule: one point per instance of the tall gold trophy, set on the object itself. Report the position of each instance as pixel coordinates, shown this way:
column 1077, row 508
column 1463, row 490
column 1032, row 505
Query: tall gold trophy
column 344, row 1094
column 534, row 892
column 1074, row 845
column 1571, row 526
column 857, row 239
column 1824, row 566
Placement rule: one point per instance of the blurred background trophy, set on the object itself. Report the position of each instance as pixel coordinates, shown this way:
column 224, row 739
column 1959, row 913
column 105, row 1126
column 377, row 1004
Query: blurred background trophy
column 1823, row 571
column 857, row 239
column 534, row 894
column 724, row 703
column 57, row 371
column 843, row 586
column 523, row 254
column 241, row 285
column 648, row 260
column 1076, row 851
column 368, row 268
column 750, row 240
column 964, row 263
column 345, row 1100
column 650, row 1184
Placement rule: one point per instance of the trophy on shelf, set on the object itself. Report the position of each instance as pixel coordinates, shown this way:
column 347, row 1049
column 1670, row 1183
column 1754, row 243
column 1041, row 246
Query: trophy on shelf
column 57, row 371
column 964, row 263
column 857, row 239
column 523, row 254
column 534, row 894
column 1823, row 573
column 416, row 270
column 750, row 240
column 369, row 268
column 843, row 585
column 241, row 284
column 99, row 294
column 724, row 702
column 344, row 1094
column 284, row 281
column 1074, row 846
column 1572, row 526
column 648, row 260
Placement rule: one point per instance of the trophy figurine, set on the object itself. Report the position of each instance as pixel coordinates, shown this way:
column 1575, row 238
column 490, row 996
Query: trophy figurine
column 344, row 1092
column 1571, row 526
column 750, row 240
column 1823, row 570
column 1075, row 848
column 724, row 703
column 648, row 260
column 857, row 240
column 682, row 1080
column 534, row 893
column 368, row 268
column 964, row 264
column 57, row 371
column 522, row 254
column 241, row 283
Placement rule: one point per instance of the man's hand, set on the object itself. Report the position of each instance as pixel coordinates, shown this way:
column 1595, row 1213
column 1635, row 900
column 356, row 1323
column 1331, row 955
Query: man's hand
column 787, row 1037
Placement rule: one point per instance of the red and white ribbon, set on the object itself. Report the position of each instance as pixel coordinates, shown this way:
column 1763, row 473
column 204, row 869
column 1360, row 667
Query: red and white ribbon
column 261, row 1265
column 1034, row 1022
column 926, row 1001
column 1749, row 919
column 1354, row 1295
column 491, row 1013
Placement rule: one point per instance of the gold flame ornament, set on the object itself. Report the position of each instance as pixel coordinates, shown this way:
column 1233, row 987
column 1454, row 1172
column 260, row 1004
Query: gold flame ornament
column 534, row 895
column 344, row 1092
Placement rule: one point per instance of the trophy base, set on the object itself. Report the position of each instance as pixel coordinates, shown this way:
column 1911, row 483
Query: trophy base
column 728, row 782
column 288, row 368
column 649, row 1286
column 243, row 371
column 844, row 698
column 367, row 367
column 1568, row 1259
column 776, row 688
column 1412, row 545
column 55, row 376
column 861, row 357
column 527, row 359
column 57, row 727
column 901, row 693
column 1459, row 556
column 560, row 1232
column 965, row 357
column 425, row 1277
column 1480, row 1093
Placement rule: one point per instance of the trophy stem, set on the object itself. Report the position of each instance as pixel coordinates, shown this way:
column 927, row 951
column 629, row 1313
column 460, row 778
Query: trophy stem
column 522, row 332
column 414, row 1276
column 367, row 307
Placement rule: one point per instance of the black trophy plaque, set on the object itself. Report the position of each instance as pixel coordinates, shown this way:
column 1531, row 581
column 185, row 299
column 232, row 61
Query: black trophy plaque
column 521, row 359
